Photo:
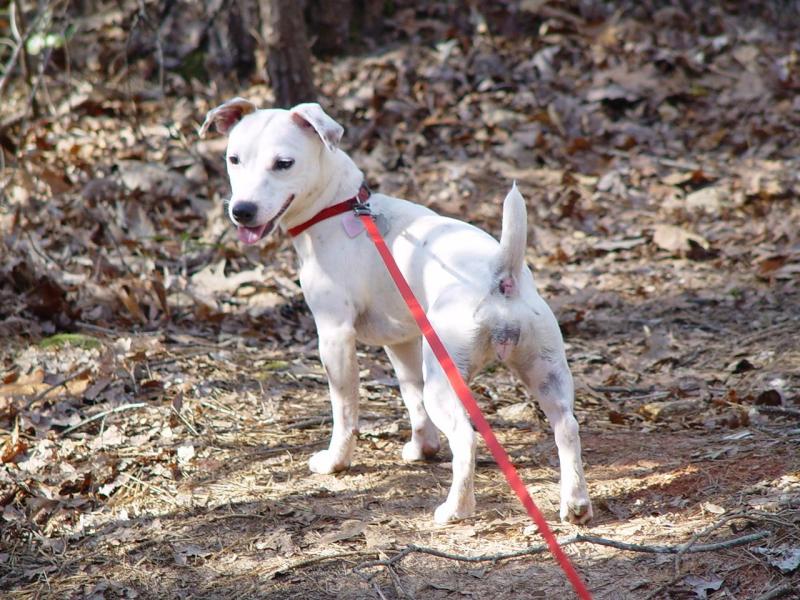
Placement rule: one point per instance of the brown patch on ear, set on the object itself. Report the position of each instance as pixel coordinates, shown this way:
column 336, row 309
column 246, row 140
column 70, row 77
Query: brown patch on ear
column 227, row 115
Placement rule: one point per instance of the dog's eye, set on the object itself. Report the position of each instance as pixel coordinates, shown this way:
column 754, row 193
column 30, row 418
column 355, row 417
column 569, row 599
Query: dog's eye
column 282, row 164
column 233, row 159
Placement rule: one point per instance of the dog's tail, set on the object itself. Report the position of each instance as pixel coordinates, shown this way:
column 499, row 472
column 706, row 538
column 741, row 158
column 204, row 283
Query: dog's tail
column 513, row 239
column 499, row 313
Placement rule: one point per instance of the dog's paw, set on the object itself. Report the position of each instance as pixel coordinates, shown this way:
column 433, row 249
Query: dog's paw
column 577, row 511
column 413, row 451
column 450, row 512
column 325, row 462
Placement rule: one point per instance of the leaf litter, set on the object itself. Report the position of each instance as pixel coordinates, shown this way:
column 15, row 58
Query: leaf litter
column 161, row 390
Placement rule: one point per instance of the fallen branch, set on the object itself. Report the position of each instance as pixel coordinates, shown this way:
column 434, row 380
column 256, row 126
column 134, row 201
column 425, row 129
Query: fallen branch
column 679, row 549
column 573, row 539
column 779, row 410
column 777, row 592
column 311, row 561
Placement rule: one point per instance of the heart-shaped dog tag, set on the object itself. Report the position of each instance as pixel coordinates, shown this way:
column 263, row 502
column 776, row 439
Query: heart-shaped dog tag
column 352, row 224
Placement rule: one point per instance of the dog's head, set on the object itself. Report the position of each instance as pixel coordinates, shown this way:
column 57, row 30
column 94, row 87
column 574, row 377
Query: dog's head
column 274, row 158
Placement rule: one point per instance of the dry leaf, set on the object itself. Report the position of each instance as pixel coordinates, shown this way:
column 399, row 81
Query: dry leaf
column 676, row 240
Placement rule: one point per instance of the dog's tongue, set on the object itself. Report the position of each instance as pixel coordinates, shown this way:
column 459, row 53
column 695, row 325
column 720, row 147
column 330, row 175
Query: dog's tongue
column 250, row 235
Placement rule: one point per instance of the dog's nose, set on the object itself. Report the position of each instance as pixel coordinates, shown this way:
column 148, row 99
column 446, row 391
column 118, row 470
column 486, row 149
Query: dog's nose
column 244, row 212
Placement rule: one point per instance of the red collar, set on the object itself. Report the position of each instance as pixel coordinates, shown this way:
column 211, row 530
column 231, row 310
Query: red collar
column 337, row 209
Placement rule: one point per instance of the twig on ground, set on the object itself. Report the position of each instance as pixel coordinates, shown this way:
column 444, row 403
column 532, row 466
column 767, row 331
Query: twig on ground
column 619, row 389
column 185, row 421
column 298, row 564
column 566, row 541
column 779, row 410
column 97, row 328
column 401, row 591
column 766, row 332
column 103, row 414
column 19, row 48
column 721, row 545
column 700, row 534
column 777, row 592
column 310, row 423
column 160, row 491
column 219, row 408
column 378, row 591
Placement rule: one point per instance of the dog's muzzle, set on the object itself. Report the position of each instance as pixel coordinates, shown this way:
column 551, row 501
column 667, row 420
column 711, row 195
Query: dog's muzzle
column 244, row 213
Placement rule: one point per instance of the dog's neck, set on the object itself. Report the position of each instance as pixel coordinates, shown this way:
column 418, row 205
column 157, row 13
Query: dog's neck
column 339, row 179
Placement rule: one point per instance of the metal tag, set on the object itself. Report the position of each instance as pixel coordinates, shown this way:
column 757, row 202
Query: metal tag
column 382, row 223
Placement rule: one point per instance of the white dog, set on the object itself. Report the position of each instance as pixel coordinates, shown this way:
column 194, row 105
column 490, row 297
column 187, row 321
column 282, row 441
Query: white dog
column 285, row 167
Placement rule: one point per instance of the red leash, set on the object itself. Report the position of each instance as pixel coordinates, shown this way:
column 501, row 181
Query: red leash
column 468, row 400
column 358, row 203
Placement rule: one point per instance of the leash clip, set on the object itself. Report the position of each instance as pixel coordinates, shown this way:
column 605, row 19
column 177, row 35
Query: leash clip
column 362, row 208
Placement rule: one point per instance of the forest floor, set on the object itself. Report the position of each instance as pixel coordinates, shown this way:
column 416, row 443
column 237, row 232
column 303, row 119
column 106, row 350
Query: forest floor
column 161, row 391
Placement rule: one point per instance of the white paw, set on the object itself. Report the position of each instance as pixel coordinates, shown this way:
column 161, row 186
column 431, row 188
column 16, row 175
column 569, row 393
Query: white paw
column 449, row 512
column 414, row 451
column 325, row 462
column 577, row 510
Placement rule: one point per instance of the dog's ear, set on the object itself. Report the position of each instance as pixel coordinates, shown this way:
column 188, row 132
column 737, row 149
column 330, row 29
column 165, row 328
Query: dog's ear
column 310, row 115
column 225, row 116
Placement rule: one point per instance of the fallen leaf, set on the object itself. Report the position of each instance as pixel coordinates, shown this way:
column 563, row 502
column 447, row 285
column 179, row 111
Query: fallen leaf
column 183, row 552
column 783, row 558
column 657, row 411
column 348, row 529
column 713, row 508
column 676, row 240
column 701, row 585
column 769, row 398
column 185, row 453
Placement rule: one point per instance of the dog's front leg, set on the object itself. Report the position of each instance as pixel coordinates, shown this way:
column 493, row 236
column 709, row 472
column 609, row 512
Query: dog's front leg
column 337, row 349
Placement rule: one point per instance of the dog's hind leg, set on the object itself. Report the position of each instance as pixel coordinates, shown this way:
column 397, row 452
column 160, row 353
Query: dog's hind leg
column 448, row 415
column 549, row 380
column 446, row 411
column 406, row 358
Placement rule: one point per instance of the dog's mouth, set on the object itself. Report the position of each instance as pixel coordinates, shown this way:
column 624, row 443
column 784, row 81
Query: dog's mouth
column 250, row 235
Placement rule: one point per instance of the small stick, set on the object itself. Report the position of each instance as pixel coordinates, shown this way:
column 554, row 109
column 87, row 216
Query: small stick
column 619, row 389
column 779, row 410
column 185, row 421
column 310, row 423
column 103, row 414
column 401, row 591
column 700, row 534
column 777, row 592
column 313, row 560
column 162, row 492
column 221, row 409
column 378, row 591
